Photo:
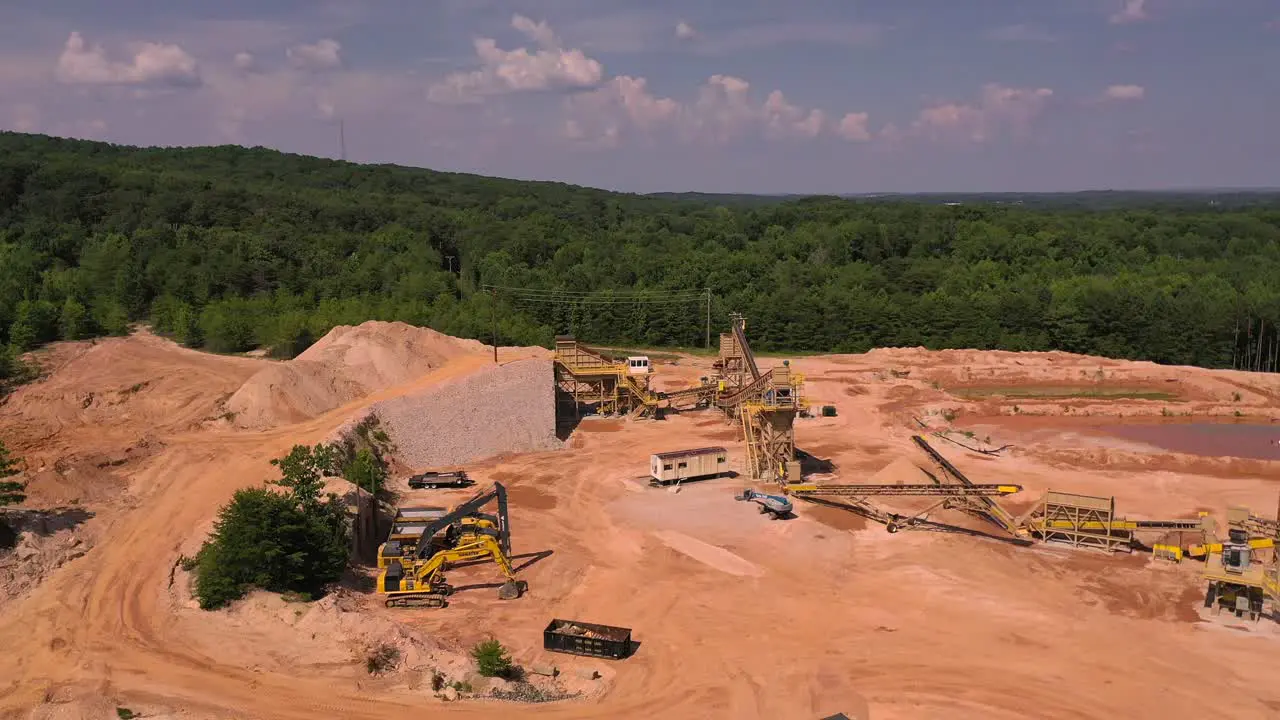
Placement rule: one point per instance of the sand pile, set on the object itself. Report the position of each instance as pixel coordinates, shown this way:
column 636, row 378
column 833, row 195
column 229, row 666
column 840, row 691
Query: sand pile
column 347, row 363
column 500, row 410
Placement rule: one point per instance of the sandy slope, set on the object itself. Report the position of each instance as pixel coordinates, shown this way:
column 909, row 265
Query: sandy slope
column 738, row 617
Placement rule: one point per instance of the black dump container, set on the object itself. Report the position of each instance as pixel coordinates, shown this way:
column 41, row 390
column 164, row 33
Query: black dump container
column 580, row 638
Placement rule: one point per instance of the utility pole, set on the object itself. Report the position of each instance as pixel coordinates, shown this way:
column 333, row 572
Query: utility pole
column 449, row 259
column 708, row 318
column 342, row 141
column 493, row 314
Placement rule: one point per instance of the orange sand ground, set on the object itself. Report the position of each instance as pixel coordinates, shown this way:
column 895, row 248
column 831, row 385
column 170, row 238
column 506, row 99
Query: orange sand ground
column 738, row 616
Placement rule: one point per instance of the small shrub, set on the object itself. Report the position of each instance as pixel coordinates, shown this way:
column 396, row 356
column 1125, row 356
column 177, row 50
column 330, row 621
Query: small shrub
column 462, row 686
column 437, row 681
column 1165, row 412
column 125, row 713
column 381, row 658
column 1235, row 396
column 492, row 659
column 949, row 414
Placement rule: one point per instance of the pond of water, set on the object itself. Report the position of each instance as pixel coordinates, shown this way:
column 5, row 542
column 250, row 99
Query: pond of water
column 1241, row 440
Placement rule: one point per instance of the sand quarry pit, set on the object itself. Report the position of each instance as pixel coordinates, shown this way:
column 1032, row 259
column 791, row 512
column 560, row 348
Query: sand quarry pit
column 737, row 616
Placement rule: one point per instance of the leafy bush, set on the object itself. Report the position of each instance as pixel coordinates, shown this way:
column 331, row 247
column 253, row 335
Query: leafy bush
column 366, row 471
column 294, row 542
column 492, row 659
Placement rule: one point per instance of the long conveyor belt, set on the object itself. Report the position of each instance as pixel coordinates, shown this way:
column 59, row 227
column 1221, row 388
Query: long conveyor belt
column 991, row 511
column 903, row 490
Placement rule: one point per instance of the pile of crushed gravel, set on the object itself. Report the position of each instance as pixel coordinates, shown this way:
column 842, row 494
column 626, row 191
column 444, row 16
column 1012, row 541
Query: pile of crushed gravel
column 506, row 409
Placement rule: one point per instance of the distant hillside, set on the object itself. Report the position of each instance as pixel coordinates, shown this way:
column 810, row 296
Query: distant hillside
column 1082, row 200
column 229, row 248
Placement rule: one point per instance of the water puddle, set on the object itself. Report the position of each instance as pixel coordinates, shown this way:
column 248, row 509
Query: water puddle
column 1239, row 440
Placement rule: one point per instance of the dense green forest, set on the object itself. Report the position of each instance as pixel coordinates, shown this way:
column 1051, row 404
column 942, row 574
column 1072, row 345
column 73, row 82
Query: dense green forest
column 229, row 248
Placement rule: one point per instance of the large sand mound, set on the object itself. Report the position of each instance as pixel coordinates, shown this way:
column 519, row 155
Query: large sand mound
column 347, row 363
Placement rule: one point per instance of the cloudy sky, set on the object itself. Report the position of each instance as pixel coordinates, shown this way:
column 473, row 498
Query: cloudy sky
column 839, row 96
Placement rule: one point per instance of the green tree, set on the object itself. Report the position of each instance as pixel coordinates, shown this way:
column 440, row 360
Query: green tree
column 11, row 492
column 73, row 323
column 366, row 471
column 303, row 470
column 279, row 542
column 492, row 659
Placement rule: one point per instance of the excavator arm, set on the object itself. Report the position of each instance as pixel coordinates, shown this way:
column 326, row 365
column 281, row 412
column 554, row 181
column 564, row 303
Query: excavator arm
column 497, row 492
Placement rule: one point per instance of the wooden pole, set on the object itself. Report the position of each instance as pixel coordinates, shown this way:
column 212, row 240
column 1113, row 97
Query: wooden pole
column 493, row 314
column 708, row 318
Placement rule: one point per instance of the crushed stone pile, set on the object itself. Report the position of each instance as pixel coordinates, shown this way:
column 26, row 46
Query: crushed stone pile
column 507, row 409
column 349, row 362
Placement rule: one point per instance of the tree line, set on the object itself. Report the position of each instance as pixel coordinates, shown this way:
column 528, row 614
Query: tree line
column 229, row 249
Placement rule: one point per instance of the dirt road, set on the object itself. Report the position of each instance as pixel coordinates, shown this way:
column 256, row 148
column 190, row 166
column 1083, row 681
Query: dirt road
column 738, row 616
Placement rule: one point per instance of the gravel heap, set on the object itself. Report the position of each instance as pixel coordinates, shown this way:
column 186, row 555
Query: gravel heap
column 506, row 409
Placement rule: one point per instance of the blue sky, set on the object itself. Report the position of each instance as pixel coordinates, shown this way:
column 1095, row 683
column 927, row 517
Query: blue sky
column 833, row 96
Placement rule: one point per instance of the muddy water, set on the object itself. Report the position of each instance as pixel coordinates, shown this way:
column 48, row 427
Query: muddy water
column 1255, row 442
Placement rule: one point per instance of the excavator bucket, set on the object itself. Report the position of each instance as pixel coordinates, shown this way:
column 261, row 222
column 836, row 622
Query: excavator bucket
column 509, row 590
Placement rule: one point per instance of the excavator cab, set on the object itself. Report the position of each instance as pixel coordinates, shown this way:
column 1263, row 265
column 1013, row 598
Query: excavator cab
column 463, row 535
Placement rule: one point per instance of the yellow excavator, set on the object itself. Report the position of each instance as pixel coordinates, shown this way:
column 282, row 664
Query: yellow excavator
column 417, row 578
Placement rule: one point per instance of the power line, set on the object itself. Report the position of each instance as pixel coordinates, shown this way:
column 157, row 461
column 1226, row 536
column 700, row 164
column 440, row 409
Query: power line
column 597, row 294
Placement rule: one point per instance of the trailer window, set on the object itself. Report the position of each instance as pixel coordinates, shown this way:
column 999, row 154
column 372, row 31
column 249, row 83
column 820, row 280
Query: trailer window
column 666, row 466
column 683, row 465
column 719, row 459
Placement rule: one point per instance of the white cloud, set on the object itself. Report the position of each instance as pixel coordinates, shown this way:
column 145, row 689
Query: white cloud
column 782, row 119
column 538, row 32
column 243, row 61
column 152, row 64
column 323, row 54
column 505, row 71
column 724, row 110
column 1132, row 11
column 1000, row 109
column 598, row 118
column 1125, row 92
column 853, row 126
column 685, row 31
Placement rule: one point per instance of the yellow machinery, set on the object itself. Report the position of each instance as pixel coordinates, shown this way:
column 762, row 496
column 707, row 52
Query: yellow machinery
column 462, row 535
column 589, row 377
column 764, row 404
column 1237, row 581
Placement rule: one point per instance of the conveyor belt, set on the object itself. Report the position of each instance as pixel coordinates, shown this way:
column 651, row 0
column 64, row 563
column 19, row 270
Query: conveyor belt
column 992, row 512
column 1132, row 525
column 903, row 490
column 747, row 355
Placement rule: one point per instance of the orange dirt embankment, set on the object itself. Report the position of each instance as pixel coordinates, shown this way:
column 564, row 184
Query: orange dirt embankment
column 737, row 616
column 346, row 364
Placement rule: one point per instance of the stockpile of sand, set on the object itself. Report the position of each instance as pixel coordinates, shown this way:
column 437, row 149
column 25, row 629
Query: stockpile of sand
column 506, row 409
column 346, row 364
